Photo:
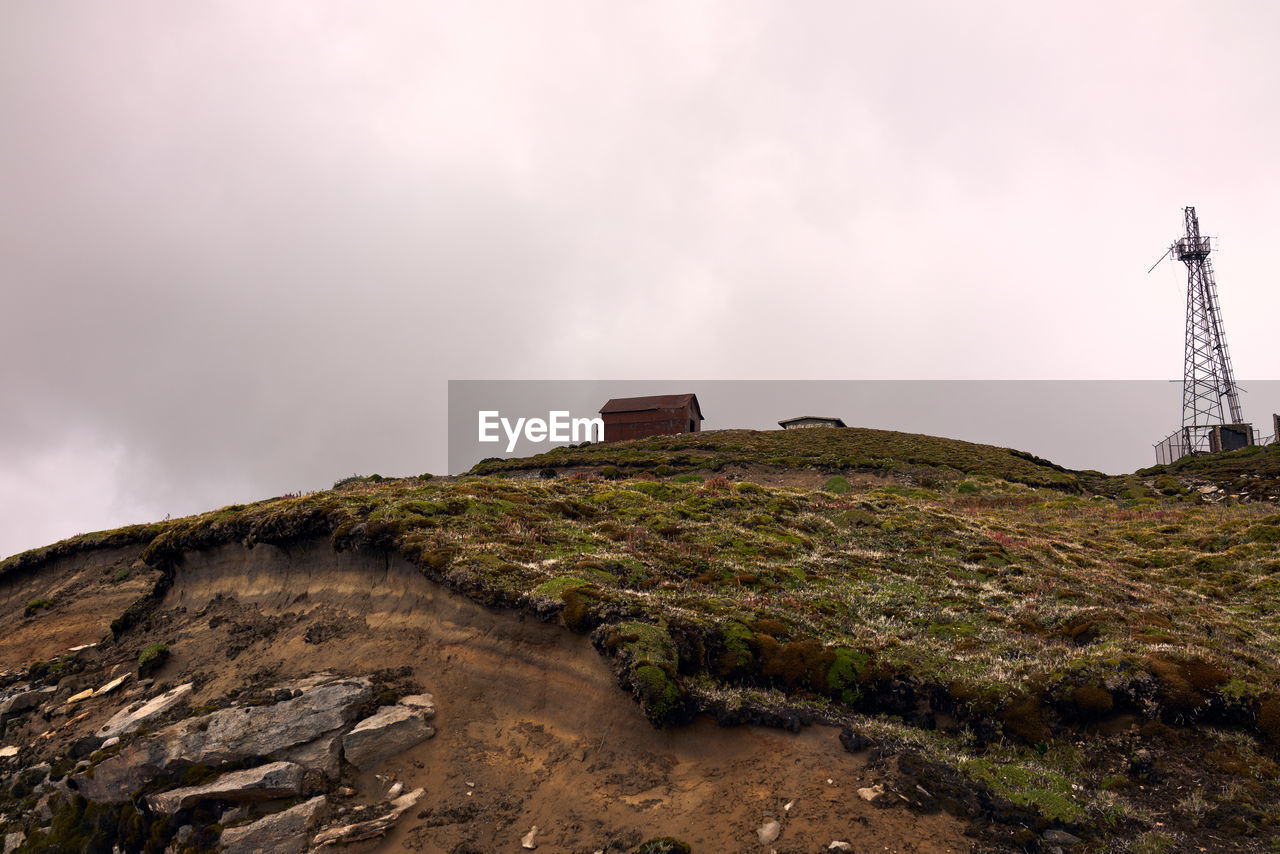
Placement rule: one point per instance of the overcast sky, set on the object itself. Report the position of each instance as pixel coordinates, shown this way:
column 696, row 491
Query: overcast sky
column 244, row 245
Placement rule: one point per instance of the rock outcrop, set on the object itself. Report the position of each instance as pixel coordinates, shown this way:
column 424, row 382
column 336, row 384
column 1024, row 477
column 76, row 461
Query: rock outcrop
column 127, row 720
column 286, row 832
column 391, row 730
column 274, row 780
column 227, row 735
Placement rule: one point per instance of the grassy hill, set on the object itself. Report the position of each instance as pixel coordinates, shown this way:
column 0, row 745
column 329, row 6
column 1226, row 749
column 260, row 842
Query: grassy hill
column 1090, row 653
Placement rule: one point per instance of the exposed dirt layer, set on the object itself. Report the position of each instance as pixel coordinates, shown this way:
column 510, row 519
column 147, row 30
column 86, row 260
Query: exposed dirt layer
column 68, row 604
column 533, row 729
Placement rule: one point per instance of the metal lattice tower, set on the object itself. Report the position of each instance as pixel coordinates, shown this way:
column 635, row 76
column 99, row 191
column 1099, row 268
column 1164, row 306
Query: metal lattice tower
column 1207, row 376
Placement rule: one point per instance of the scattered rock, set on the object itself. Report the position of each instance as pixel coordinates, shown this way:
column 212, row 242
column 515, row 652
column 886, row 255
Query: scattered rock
column 871, row 794
column 126, row 721
column 1060, row 837
column 346, row 834
column 529, row 839
column 838, row 845
column 8, row 752
column 397, row 788
column 109, row 742
column 13, row 841
column 768, row 832
column 282, row 833
column 112, row 685
column 391, row 730
column 275, row 780
column 79, row 696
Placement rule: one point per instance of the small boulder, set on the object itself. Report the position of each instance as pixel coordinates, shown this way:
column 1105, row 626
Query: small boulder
column 768, row 832
column 530, row 839
column 112, row 685
column 79, row 696
column 871, row 794
column 285, row 832
column 274, row 780
column 1060, row 837
column 126, row 720
column 390, row 730
column 324, row 754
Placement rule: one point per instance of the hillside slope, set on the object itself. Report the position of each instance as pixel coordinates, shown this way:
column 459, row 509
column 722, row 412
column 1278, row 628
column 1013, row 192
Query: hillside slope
column 1034, row 651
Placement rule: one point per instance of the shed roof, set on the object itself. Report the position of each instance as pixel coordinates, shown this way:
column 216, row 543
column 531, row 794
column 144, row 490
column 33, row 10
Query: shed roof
column 839, row 422
column 653, row 402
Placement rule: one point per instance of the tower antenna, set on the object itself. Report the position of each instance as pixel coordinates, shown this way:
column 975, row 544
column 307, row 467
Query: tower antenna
column 1207, row 376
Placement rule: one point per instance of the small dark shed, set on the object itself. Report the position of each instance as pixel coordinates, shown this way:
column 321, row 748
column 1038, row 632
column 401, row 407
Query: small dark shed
column 811, row 421
column 658, row 415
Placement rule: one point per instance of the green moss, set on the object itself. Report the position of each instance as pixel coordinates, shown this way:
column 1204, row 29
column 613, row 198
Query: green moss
column 846, row 674
column 37, row 605
column 1048, row 792
column 554, row 587
column 837, row 485
column 151, row 659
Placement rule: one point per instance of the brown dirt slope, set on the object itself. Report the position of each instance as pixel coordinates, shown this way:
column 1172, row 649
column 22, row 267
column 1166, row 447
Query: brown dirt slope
column 533, row 729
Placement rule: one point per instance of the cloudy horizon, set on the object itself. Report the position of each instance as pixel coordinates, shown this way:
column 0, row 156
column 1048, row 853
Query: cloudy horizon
column 246, row 245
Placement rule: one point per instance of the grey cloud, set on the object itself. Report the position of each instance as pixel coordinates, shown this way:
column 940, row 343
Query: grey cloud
column 245, row 245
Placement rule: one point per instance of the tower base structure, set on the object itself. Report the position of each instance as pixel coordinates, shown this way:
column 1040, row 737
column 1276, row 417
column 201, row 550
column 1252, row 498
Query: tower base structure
column 1204, row 439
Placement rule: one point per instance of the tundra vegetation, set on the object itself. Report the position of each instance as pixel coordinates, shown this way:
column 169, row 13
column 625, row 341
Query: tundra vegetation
column 1074, row 647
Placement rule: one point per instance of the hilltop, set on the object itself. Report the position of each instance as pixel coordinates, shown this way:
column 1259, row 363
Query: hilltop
column 1006, row 648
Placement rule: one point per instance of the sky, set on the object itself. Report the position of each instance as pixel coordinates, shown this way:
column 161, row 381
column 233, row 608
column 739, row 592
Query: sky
column 244, row 246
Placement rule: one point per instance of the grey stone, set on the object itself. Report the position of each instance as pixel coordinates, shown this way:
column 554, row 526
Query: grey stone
column 44, row 808
column 127, row 721
column 324, row 754
column 281, row 833
column 25, row 700
column 276, row 780
column 391, row 730
column 768, row 832
column 227, row 735
column 231, row 815
column 371, row 829
column 1060, row 837
column 13, row 841
column 35, row 775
